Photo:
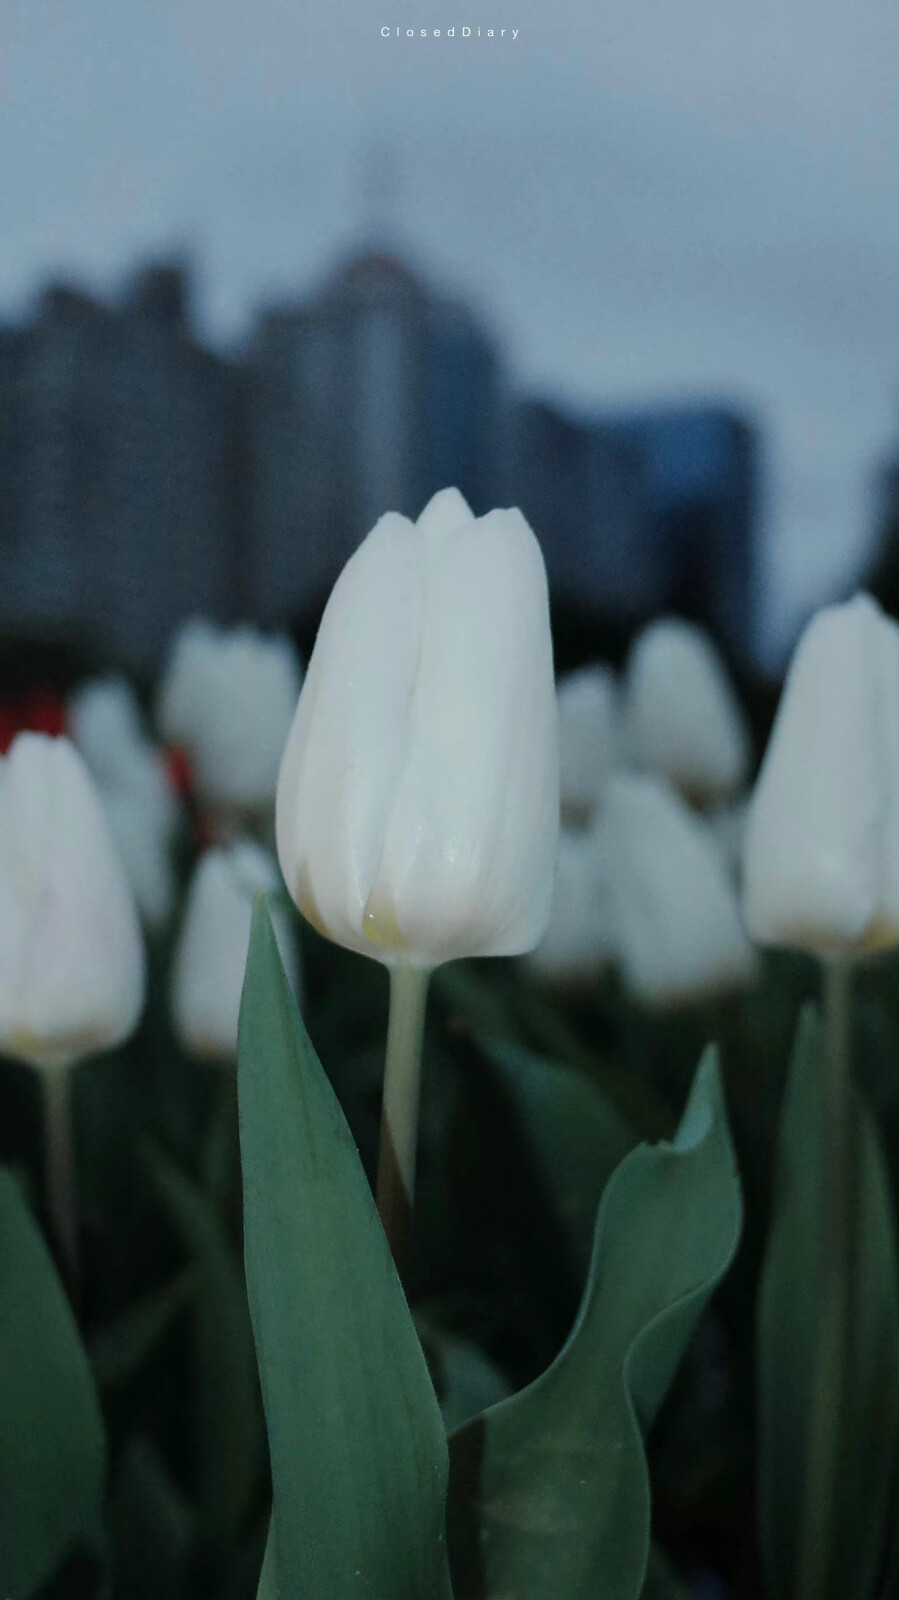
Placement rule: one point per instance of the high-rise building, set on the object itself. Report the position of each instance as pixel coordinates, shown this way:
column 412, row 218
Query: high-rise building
column 144, row 478
column 366, row 398
column 701, row 465
column 645, row 512
column 583, row 491
column 166, row 536
column 118, row 471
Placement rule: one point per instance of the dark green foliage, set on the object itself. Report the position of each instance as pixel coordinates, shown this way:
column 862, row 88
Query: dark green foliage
column 52, row 1450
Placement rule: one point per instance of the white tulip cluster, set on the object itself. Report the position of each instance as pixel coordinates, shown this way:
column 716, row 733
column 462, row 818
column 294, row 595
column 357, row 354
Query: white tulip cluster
column 644, row 882
column 227, row 698
column 417, row 814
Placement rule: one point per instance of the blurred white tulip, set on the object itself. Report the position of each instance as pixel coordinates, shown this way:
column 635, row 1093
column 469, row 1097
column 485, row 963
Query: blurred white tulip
column 211, row 953
column 418, row 802
column 227, row 697
column 677, row 925
column 138, row 798
column 728, row 827
column 588, row 738
column 183, row 686
column 821, row 869
column 142, row 837
column 683, row 719
column 579, row 940
column 71, row 954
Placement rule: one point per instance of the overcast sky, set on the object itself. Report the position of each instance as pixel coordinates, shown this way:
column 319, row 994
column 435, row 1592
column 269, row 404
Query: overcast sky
column 646, row 198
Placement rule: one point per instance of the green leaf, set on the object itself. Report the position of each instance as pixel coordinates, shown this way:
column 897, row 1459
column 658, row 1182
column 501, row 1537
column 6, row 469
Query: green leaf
column 358, row 1451
column 549, row 1494
column 52, row 1448
column 577, row 1135
column 121, row 1348
column 787, row 1337
column 466, row 1381
column 231, row 1455
column 662, row 1582
column 268, row 1577
column 153, row 1525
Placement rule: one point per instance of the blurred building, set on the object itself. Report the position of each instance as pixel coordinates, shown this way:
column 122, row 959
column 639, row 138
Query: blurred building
column 584, row 490
column 370, row 396
column 700, row 474
column 119, row 473
column 144, row 478
column 644, row 513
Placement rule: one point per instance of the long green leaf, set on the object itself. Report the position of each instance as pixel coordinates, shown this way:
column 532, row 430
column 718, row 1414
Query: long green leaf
column 787, row 1332
column 358, row 1451
column 577, row 1135
column 52, row 1448
column 549, row 1490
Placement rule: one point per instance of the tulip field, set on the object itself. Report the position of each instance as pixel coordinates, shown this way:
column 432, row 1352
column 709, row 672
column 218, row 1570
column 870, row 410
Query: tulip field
column 449, row 1109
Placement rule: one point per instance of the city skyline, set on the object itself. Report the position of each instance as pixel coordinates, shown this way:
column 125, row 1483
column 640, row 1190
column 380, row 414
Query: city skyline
column 144, row 478
column 649, row 201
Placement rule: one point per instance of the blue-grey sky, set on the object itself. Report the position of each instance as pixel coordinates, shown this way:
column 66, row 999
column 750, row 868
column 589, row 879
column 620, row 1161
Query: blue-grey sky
column 647, row 198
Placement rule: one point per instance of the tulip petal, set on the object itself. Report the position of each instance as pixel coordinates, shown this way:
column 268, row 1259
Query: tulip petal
column 469, row 846
column 822, row 844
column 348, row 741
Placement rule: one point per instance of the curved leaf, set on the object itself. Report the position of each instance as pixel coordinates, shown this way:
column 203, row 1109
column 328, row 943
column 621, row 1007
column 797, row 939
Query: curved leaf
column 549, row 1489
column 787, row 1333
column 52, row 1448
column 358, row 1451
column 577, row 1135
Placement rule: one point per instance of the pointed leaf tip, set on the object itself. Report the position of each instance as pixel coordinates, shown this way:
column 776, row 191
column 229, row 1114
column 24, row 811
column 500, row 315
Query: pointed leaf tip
column 358, row 1451
column 549, row 1489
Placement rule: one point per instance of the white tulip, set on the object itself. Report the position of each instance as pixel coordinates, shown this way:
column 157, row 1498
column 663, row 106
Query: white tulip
column 677, row 925
column 71, row 955
column 728, row 826
column 418, row 802
column 142, row 836
column 578, row 943
column 821, row 867
column 182, row 688
column 684, row 721
column 211, row 953
column 105, row 725
column 588, row 737
column 138, row 798
column 228, row 697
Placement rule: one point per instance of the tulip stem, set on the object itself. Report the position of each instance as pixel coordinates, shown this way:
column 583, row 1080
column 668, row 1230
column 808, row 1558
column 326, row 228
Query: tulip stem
column 60, row 1185
column 828, row 1374
column 399, row 1109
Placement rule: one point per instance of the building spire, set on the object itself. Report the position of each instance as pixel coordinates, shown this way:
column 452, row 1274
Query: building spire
column 380, row 186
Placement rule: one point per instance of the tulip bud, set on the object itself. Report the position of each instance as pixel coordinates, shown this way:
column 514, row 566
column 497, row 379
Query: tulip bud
column 821, row 866
column 71, row 955
column 588, row 738
column 728, row 826
column 677, row 926
column 139, row 801
column 211, row 953
column 684, row 721
column 418, row 802
column 142, row 839
column 228, row 698
column 578, row 943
